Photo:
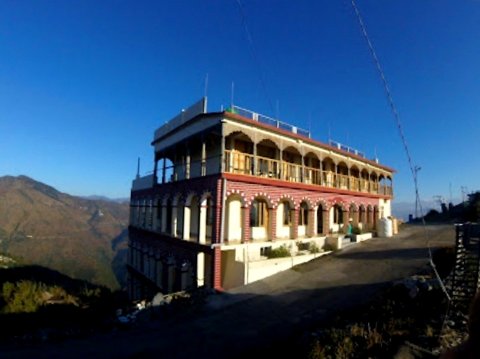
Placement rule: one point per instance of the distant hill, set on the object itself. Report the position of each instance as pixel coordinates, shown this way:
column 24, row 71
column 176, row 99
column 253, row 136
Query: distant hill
column 82, row 238
column 107, row 199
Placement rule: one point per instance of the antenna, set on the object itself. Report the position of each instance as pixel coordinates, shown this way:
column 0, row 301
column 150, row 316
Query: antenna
column 450, row 191
column 138, row 167
column 231, row 98
column 206, row 86
column 309, row 123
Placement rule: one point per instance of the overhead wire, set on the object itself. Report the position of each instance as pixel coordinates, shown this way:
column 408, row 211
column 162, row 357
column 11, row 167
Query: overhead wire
column 398, row 123
column 413, row 168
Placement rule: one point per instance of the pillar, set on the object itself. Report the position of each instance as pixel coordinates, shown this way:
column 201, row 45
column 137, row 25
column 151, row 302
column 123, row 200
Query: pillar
column 217, row 269
column 254, row 166
column 246, row 231
column 204, row 158
column 174, row 221
column 355, row 217
column 186, row 222
column 370, row 219
column 295, row 223
column 326, row 221
column 272, row 230
column 202, row 225
column 311, row 223
column 200, row 269
column 345, row 218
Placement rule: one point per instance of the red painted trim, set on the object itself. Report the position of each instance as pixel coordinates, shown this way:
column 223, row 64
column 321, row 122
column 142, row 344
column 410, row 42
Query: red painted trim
column 297, row 185
column 234, row 116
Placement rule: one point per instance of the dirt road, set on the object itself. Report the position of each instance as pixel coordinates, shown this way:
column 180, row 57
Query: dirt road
column 270, row 311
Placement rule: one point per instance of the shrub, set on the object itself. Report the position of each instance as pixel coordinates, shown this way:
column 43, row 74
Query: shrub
column 329, row 247
column 303, row 246
column 313, row 247
column 279, row 252
column 356, row 230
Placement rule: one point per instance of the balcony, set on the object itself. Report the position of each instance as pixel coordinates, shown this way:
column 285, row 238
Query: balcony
column 250, row 165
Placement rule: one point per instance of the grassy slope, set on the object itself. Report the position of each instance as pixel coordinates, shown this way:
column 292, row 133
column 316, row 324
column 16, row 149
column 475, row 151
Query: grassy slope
column 42, row 226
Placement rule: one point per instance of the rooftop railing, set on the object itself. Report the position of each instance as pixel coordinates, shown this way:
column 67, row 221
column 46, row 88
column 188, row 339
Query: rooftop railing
column 346, row 148
column 269, row 121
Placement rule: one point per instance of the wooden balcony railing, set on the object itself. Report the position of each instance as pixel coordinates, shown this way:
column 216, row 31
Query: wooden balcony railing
column 244, row 163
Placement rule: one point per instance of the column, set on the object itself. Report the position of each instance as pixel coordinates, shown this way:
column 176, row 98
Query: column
column 246, row 232
column 345, row 217
column 311, row 223
column 173, row 229
column 281, row 174
column 217, row 269
column 186, row 222
column 155, row 168
column 254, row 167
column 203, row 170
column 355, row 217
column 272, row 231
column 369, row 218
column 302, row 174
column 326, row 221
column 222, row 154
column 295, row 223
column 187, row 163
column 202, row 225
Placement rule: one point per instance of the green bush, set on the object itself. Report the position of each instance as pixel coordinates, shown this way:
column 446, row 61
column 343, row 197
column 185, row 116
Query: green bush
column 329, row 247
column 356, row 230
column 313, row 248
column 279, row 252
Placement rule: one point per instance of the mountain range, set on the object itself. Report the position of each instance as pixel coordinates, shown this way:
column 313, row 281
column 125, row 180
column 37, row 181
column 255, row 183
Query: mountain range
column 82, row 238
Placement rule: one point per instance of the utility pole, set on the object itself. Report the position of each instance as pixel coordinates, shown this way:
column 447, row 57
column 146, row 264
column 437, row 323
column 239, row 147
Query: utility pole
column 416, row 169
column 464, row 192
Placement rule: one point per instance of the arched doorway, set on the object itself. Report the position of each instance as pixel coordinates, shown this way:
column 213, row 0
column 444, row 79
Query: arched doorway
column 234, row 218
column 259, row 219
column 285, row 210
column 320, row 227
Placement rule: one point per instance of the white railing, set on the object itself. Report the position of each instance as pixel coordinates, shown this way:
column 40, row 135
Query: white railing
column 269, row 121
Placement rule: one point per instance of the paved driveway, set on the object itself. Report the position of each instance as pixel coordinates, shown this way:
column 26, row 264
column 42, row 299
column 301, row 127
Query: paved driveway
column 268, row 311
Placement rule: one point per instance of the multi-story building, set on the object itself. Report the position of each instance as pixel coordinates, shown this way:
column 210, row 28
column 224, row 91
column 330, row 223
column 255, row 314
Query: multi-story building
column 229, row 186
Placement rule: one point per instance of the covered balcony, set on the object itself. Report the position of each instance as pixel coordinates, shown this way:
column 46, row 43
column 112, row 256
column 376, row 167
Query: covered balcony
column 266, row 160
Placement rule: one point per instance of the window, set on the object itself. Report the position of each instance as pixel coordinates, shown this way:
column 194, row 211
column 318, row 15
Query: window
column 287, row 214
column 168, row 227
column 209, row 212
column 258, row 213
column 265, row 251
column 337, row 214
column 159, row 210
column 303, row 215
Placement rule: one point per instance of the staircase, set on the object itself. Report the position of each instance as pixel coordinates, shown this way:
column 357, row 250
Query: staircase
column 465, row 277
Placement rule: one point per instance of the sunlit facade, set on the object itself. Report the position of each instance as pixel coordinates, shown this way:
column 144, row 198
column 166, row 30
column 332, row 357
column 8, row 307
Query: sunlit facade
column 228, row 186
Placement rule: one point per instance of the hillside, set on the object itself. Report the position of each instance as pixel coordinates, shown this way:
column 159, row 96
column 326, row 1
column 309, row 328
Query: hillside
column 82, row 238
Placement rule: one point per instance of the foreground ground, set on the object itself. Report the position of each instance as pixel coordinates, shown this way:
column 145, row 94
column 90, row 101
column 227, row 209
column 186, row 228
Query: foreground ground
column 264, row 316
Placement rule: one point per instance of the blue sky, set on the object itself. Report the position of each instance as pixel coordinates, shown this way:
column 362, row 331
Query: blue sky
column 83, row 84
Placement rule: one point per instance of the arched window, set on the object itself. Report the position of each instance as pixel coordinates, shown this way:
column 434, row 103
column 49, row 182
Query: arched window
column 337, row 214
column 287, row 214
column 209, row 211
column 303, row 215
column 168, row 227
column 258, row 213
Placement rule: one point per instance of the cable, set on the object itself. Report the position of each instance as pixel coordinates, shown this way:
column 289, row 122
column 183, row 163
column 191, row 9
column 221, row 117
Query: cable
column 413, row 168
